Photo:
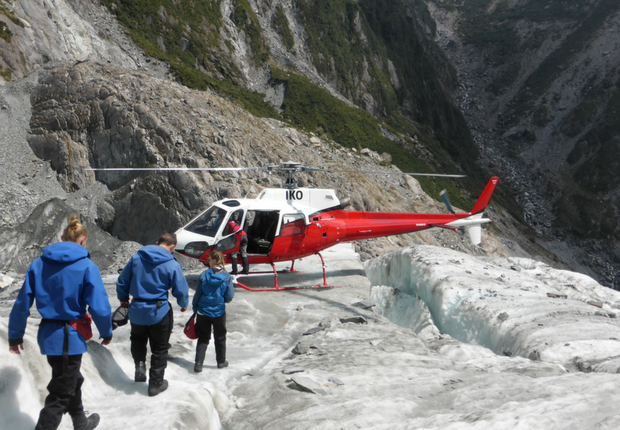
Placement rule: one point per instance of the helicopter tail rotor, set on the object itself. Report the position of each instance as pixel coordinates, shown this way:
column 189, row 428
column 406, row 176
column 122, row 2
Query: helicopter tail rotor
column 446, row 201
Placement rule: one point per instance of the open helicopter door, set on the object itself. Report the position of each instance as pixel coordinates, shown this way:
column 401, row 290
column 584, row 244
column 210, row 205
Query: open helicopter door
column 261, row 228
column 229, row 243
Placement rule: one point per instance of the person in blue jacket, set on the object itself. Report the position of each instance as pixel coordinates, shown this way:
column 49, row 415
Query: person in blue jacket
column 147, row 277
column 63, row 282
column 215, row 289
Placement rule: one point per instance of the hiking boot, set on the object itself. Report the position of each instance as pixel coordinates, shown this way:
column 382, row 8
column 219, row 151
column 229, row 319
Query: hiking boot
column 156, row 388
column 140, row 375
column 233, row 259
column 84, row 423
column 222, row 365
column 197, row 368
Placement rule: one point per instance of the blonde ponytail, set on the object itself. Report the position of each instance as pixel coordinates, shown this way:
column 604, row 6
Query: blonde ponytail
column 74, row 230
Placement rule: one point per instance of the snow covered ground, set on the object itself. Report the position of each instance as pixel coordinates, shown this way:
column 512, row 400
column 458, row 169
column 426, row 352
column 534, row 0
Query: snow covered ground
column 443, row 341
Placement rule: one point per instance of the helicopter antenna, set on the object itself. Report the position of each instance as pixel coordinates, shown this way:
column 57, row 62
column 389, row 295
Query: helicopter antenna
column 251, row 190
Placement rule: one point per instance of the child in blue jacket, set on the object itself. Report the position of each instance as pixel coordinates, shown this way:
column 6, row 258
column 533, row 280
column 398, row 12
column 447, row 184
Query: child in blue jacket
column 63, row 281
column 214, row 290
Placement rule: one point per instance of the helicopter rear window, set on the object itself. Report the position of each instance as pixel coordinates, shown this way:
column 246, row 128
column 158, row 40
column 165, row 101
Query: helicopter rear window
column 208, row 223
column 292, row 224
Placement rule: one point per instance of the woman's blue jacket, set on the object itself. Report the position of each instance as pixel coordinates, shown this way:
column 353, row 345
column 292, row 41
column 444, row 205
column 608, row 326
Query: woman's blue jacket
column 215, row 289
column 63, row 282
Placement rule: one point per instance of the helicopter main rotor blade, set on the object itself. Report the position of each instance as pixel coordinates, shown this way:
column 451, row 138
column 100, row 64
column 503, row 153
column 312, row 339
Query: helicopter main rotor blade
column 174, row 169
column 375, row 172
column 289, row 167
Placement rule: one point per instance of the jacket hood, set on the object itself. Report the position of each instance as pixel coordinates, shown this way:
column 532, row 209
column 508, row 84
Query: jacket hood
column 65, row 252
column 155, row 254
column 216, row 276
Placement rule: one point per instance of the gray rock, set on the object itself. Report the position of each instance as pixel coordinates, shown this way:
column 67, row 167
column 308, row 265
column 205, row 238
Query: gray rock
column 325, row 323
column 303, row 383
column 365, row 304
column 313, row 330
column 335, row 380
column 355, row 320
column 5, row 280
column 44, row 227
column 301, row 348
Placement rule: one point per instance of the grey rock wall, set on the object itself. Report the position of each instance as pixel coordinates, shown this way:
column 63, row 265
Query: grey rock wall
column 89, row 115
column 59, row 30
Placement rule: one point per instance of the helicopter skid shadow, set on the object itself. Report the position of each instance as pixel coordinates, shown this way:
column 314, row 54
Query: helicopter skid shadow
column 301, row 280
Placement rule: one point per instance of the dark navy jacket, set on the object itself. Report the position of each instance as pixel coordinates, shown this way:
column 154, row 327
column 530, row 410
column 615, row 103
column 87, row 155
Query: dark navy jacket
column 148, row 276
column 214, row 290
column 63, row 281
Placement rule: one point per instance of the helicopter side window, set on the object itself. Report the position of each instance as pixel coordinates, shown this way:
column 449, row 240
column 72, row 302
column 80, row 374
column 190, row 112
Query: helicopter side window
column 292, row 224
column 208, row 223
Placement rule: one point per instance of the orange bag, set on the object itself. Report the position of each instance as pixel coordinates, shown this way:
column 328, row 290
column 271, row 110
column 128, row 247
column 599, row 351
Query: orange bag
column 83, row 326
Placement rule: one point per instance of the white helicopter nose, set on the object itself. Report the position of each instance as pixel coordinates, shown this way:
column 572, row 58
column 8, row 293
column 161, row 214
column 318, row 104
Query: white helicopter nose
column 185, row 237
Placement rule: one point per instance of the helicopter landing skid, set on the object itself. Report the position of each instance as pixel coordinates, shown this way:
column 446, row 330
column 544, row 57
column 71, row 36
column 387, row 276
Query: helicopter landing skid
column 276, row 287
column 265, row 272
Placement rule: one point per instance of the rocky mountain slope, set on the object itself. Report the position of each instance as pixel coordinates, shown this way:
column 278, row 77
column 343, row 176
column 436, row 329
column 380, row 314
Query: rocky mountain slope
column 539, row 88
column 91, row 112
column 93, row 98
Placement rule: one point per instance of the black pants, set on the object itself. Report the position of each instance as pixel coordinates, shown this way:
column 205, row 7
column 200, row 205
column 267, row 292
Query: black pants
column 65, row 392
column 158, row 336
column 203, row 330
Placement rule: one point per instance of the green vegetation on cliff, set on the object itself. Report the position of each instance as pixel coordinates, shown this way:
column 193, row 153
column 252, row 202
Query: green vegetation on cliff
column 6, row 73
column 5, row 33
column 245, row 19
column 350, row 51
column 279, row 23
column 4, row 10
column 346, row 52
column 187, row 35
column 311, row 108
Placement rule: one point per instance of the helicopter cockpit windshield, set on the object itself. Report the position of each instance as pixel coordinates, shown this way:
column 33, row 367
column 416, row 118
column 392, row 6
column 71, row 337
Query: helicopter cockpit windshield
column 208, row 224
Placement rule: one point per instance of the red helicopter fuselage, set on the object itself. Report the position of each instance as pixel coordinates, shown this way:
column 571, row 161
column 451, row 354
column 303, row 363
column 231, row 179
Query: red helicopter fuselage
column 334, row 227
column 289, row 224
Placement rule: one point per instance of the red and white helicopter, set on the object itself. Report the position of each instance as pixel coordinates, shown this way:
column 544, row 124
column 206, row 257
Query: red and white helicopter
column 289, row 223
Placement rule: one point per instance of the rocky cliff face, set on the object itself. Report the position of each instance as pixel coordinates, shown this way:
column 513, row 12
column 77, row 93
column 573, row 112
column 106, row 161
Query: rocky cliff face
column 377, row 56
column 539, row 88
column 37, row 32
column 117, row 106
column 90, row 115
